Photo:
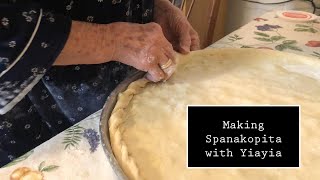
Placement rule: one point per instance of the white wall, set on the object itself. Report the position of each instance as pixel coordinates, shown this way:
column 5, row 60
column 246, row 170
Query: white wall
column 241, row 12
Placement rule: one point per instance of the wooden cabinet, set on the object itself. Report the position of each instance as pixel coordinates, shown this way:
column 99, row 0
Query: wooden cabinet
column 207, row 17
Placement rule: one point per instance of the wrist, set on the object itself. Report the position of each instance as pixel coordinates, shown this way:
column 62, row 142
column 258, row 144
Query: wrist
column 86, row 44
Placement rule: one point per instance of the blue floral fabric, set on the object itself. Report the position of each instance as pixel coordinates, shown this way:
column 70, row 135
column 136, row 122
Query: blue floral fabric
column 38, row 101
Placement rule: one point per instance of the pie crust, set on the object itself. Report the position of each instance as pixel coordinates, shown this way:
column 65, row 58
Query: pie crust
column 148, row 123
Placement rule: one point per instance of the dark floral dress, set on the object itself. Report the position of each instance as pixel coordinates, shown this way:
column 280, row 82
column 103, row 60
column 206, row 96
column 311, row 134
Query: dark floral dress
column 38, row 100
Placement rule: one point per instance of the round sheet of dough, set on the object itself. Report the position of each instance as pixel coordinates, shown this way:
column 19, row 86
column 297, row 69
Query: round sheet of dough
column 148, row 124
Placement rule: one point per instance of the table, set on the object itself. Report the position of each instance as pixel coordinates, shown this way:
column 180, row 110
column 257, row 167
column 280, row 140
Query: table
column 77, row 152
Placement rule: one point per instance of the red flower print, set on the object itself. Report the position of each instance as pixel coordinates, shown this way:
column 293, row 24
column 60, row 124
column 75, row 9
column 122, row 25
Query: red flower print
column 313, row 43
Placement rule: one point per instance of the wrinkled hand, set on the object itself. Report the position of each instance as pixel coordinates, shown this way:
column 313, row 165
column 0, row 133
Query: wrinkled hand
column 176, row 27
column 144, row 47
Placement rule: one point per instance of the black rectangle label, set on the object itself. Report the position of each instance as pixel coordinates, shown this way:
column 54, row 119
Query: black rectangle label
column 243, row 136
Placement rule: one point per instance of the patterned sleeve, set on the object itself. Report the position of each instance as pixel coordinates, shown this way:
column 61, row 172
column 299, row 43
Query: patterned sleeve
column 30, row 40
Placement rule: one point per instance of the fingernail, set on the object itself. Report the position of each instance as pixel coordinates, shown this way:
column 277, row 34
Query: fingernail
column 186, row 50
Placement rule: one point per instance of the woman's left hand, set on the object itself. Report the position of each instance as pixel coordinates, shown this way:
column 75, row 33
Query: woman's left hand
column 176, row 27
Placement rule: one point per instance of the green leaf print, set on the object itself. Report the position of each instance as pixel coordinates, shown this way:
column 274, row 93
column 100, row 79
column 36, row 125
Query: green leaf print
column 277, row 38
column 244, row 46
column 43, row 168
column 261, row 34
column 312, row 30
column 316, row 54
column 301, row 30
column 280, row 47
column 263, row 39
column 234, row 37
column 295, row 48
column 285, row 46
column 41, row 165
column 49, row 168
column 19, row 159
column 73, row 136
column 289, row 42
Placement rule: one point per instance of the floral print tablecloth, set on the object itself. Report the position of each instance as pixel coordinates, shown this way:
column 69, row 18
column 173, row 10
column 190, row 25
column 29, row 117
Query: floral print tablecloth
column 77, row 152
column 271, row 32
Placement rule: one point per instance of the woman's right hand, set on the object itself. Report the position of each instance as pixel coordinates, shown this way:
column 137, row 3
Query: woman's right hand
column 142, row 46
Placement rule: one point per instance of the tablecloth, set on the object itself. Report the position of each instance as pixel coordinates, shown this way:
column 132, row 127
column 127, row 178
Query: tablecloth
column 77, row 152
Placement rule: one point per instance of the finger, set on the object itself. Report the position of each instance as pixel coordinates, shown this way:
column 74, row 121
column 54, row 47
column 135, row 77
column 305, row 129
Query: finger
column 184, row 40
column 155, row 74
column 195, row 41
column 169, row 71
column 168, row 49
column 164, row 61
column 169, row 52
column 176, row 45
column 168, row 68
column 149, row 77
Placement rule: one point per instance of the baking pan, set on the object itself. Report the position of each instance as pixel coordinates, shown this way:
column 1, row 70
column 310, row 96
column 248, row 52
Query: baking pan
column 104, row 122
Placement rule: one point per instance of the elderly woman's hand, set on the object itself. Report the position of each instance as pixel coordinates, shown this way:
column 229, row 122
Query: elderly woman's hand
column 142, row 46
column 176, row 27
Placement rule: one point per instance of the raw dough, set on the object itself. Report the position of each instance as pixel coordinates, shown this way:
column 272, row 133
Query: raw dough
column 148, row 124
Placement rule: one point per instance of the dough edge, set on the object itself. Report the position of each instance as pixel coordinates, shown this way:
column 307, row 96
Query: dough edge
column 119, row 147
